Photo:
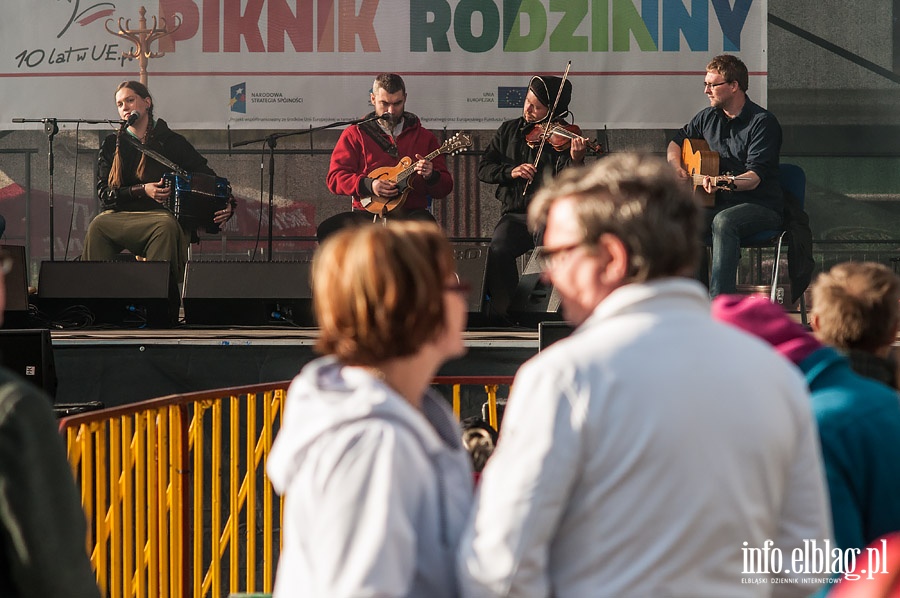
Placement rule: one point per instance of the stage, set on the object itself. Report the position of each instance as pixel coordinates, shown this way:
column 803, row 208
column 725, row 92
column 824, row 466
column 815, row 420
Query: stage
column 120, row 366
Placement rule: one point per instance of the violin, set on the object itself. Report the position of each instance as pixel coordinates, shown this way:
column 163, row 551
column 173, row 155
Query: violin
column 559, row 135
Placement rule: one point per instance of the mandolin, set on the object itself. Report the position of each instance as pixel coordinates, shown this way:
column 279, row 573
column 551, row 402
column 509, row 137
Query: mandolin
column 401, row 173
column 701, row 162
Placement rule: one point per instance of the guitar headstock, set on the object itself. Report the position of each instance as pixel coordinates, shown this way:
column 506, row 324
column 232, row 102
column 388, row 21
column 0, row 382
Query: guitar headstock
column 456, row 144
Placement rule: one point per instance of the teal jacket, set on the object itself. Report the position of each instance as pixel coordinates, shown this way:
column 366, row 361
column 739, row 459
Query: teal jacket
column 859, row 429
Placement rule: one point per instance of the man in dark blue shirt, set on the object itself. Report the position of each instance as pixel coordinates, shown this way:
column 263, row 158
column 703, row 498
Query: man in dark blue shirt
column 747, row 138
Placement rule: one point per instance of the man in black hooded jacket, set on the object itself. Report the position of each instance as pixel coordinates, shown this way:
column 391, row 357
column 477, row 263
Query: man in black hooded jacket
column 513, row 165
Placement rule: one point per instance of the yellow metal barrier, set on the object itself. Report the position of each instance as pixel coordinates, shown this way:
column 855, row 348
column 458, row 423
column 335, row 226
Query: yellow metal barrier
column 175, row 490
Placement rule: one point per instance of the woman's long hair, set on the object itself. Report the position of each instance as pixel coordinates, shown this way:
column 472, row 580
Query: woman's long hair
column 115, row 172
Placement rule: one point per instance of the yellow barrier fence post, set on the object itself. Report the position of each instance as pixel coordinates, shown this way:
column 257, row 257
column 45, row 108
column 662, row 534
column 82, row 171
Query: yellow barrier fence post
column 144, row 471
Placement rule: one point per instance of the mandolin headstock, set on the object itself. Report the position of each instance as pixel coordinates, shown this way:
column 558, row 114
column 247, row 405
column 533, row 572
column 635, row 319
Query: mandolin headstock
column 456, row 144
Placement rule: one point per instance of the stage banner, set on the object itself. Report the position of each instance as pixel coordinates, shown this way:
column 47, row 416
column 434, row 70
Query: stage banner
column 284, row 64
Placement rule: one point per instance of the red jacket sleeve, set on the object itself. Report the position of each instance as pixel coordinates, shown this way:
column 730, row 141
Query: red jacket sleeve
column 347, row 163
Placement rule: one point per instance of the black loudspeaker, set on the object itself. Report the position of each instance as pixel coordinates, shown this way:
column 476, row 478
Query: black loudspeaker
column 29, row 353
column 16, row 282
column 471, row 264
column 550, row 332
column 248, row 293
column 118, row 293
column 534, row 301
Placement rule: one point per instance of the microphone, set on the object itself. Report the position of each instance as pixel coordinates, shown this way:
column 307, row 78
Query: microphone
column 384, row 116
column 132, row 118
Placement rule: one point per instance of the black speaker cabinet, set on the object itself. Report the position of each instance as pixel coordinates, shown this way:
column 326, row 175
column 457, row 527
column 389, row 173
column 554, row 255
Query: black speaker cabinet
column 117, row 293
column 247, row 293
column 551, row 332
column 471, row 264
column 16, row 282
column 534, row 301
column 29, row 353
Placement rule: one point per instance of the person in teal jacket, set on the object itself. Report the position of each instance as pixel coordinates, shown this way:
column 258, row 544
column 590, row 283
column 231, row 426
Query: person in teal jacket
column 858, row 419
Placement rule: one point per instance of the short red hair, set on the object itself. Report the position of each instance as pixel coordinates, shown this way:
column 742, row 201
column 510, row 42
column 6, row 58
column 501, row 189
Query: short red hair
column 378, row 290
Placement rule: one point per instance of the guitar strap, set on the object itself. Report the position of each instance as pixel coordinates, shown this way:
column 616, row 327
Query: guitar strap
column 374, row 130
column 155, row 155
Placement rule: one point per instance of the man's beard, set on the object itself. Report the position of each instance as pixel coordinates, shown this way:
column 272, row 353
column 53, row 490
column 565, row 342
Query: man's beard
column 393, row 120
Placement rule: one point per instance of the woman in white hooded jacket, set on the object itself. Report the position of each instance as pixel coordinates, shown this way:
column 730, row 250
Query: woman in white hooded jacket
column 376, row 483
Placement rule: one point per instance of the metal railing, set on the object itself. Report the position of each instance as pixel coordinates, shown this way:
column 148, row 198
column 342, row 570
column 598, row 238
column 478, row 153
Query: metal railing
column 175, row 492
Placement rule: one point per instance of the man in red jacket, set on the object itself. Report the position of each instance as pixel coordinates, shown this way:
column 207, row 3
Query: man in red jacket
column 382, row 143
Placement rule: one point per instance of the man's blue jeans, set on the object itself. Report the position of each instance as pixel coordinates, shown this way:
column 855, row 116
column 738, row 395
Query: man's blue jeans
column 725, row 227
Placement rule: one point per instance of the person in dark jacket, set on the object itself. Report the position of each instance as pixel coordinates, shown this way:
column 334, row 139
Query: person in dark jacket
column 43, row 530
column 133, row 192
column 513, row 165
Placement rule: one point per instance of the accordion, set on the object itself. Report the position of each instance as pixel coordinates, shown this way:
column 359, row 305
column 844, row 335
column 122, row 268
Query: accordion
column 195, row 199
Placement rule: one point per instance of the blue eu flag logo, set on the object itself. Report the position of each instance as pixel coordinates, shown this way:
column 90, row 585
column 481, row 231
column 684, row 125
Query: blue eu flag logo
column 511, row 97
column 238, row 101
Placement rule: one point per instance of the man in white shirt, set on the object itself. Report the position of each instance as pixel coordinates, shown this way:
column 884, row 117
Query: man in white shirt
column 655, row 450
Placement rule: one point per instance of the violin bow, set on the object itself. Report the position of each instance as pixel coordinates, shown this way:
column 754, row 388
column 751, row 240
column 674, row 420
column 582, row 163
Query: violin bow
column 549, row 120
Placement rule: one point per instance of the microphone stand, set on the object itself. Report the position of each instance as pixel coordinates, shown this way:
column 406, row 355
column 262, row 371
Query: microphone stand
column 51, row 129
column 272, row 142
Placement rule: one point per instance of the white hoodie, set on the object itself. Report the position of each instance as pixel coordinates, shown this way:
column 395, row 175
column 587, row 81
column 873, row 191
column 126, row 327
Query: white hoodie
column 376, row 492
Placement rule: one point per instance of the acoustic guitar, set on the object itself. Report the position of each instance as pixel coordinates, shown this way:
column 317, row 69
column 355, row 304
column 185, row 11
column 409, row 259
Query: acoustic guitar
column 701, row 162
column 401, row 173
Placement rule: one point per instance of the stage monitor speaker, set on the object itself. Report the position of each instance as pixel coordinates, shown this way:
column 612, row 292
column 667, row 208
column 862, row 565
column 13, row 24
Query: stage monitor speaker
column 471, row 264
column 248, row 293
column 534, row 301
column 16, row 283
column 550, row 332
column 29, row 353
column 118, row 293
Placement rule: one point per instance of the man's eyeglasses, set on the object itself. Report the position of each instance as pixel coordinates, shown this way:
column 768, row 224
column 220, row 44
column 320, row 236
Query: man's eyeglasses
column 552, row 256
column 712, row 85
